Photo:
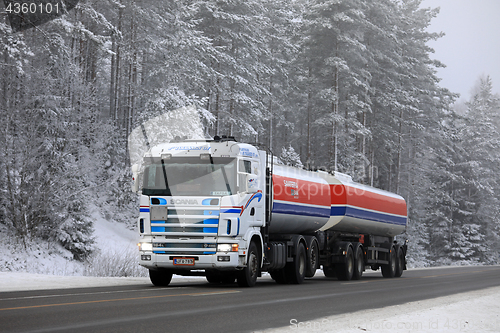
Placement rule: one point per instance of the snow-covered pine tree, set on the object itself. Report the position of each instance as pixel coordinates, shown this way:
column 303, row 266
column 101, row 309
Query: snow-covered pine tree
column 237, row 30
column 336, row 54
column 290, row 157
column 474, row 231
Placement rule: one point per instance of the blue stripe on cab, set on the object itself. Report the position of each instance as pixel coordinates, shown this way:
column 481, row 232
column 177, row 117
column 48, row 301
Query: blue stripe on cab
column 144, row 210
column 161, row 201
column 231, row 211
column 211, row 230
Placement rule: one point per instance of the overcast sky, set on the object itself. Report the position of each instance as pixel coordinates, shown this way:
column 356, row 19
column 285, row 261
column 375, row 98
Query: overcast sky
column 471, row 46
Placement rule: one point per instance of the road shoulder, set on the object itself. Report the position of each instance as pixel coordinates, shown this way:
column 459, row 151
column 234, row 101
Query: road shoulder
column 475, row 311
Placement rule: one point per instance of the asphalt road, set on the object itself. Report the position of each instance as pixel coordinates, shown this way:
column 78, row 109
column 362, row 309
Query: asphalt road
column 201, row 307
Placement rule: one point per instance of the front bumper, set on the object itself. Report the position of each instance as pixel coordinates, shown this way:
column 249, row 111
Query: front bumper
column 220, row 261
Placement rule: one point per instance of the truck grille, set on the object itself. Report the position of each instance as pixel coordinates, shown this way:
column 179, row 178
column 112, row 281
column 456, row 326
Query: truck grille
column 187, row 231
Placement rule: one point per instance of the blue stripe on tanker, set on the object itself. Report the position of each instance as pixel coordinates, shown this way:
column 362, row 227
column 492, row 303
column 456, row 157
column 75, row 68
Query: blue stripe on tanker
column 282, row 208
column 367, row 215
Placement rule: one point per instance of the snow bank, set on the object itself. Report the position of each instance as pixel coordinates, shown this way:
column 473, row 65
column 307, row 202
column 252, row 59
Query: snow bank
column 475, row 311
column 10, row 281
column 115, row 246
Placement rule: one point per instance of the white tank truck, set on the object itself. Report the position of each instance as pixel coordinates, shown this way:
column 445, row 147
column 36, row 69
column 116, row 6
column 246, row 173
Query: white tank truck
column 223, row 209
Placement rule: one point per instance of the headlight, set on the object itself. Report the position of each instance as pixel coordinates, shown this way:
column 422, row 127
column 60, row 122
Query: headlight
column 145, row 247
column 227, row 247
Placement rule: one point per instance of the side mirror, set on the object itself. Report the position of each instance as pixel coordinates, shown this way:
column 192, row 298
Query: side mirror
column 252, row 182
column 135, row 178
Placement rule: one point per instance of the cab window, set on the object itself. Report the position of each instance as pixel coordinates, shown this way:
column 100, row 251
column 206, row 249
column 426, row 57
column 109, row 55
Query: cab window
column 245, row 166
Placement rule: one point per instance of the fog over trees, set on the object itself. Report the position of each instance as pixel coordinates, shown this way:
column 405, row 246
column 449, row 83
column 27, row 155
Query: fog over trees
column 345, row 85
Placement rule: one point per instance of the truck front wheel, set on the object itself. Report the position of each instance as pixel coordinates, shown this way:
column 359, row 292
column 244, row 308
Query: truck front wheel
column 248, row 276
column 160, row 278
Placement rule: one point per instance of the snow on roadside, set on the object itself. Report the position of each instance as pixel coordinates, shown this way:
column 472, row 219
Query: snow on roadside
column 113, row 235
column 11, row 281
column 42, row 257
column 475, row 311
column 112, row 239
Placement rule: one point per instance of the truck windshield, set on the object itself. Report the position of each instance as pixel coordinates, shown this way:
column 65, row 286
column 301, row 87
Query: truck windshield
column 180, row 176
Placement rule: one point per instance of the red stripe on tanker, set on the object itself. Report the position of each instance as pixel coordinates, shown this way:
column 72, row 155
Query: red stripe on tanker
column 365, row 198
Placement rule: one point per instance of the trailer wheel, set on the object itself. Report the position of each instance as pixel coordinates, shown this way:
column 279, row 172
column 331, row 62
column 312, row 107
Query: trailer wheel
column 400, row 262
column 312, row 263
column 160, row 278
column 389, row 271
column 296, row 270
column 359, row 264
column 345, row 271
column 248, row 276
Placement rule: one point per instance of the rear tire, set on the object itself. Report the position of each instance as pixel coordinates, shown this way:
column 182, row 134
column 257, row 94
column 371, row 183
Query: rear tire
column 296, row 270
column 345, row 271
column 160, row 278
column 248, row 276
column 359, row 264
column 389, row 271
column 400, row 263
column 313, row 262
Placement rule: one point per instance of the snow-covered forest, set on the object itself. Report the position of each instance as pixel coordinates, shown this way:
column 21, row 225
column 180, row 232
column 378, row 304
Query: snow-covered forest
column 345, row 85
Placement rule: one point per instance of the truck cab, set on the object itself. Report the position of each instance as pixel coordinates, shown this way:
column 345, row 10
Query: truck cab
column 202, row 205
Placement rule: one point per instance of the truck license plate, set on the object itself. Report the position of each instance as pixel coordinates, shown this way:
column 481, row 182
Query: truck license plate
column 184, row 261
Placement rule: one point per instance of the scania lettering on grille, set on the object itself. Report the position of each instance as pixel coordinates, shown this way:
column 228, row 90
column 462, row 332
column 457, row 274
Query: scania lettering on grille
column 184, row 202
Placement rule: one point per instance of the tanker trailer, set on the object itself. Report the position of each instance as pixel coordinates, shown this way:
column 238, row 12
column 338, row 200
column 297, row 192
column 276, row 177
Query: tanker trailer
column 359, row 231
